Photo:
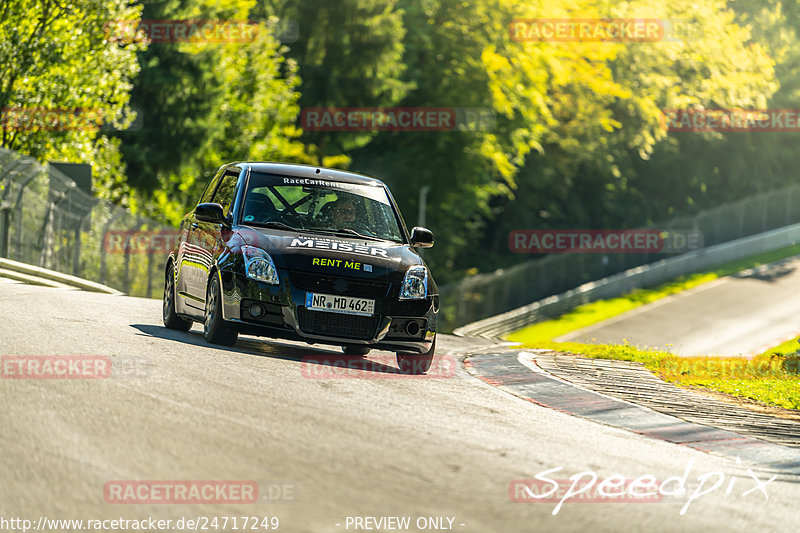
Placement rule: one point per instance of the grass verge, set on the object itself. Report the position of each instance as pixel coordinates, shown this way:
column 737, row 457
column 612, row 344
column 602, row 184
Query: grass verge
column 785, row 348
column 771, row 378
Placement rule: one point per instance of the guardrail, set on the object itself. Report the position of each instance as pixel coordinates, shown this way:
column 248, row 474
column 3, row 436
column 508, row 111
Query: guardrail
column 47, row 221
column 486, row 295
column 642, row 276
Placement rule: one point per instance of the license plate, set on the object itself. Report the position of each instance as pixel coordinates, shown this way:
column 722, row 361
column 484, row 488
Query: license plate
column 340, row 304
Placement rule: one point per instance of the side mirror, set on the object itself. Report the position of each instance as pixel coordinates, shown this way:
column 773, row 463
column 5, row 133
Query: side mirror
column 209, row 213
column 421, row 237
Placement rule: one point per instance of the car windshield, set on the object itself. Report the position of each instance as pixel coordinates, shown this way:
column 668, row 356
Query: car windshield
column 319, row 205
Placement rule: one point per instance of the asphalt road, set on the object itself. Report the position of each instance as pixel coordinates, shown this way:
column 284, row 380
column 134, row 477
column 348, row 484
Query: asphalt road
column 743, row 314
column 369, row 443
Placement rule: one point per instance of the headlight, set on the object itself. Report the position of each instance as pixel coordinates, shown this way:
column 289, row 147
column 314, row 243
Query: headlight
column 258, row 265
column 415, row 284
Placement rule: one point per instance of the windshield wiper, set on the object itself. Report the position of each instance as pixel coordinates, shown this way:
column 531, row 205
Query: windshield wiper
column 275, row 224
column 350, row 231
column 346, row 231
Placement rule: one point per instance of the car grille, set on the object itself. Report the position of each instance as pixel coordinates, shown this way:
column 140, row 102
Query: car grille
column 358, row 288
column 337, row 324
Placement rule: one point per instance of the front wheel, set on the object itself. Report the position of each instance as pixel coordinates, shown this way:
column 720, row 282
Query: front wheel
column 410, row 363
column 171, row 319
column 214, row 329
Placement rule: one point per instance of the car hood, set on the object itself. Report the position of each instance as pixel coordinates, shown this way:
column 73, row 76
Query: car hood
column 326, row 254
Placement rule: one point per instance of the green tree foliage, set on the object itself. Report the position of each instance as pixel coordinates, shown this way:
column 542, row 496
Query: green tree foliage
column 351, row 52
column 609, row 178
column 730, row 166
column 211, row 103
column 577, row 137
column 578, row 124
column 62, row 78
column 208, row 103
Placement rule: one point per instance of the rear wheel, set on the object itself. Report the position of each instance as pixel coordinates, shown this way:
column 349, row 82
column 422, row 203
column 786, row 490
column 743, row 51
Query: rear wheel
column 411, row 363
column 171, row 319
column 355, row 349
column 214, row 329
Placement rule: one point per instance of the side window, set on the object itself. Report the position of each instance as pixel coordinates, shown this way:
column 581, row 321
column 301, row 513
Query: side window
column 207, row 194
column 224, row 194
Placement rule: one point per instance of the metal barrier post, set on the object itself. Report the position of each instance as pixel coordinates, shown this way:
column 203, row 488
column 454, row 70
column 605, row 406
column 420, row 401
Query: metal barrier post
column 5, row 227
column 114, row 215
column 76, row 257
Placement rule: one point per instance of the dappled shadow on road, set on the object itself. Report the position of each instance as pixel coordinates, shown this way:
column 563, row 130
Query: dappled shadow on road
column 772, row 272
column 277, row 349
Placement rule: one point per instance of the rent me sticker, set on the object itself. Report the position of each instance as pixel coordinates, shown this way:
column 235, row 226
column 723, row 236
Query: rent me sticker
column 341, row 263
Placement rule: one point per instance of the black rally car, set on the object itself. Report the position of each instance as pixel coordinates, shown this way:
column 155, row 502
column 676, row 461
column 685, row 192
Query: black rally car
column 303, row 253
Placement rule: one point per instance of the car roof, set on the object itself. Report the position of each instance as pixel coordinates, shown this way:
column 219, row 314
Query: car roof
column 307, row 171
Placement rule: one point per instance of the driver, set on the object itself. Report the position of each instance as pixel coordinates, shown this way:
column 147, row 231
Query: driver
column 343, row 213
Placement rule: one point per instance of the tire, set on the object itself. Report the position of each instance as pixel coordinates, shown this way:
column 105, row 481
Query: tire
column 171, row 319
column 416, row 364
column 355, row 349
column 214, row 329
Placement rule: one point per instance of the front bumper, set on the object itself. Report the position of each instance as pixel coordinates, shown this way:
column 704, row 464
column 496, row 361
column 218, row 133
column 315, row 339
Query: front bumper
column 408, row 326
